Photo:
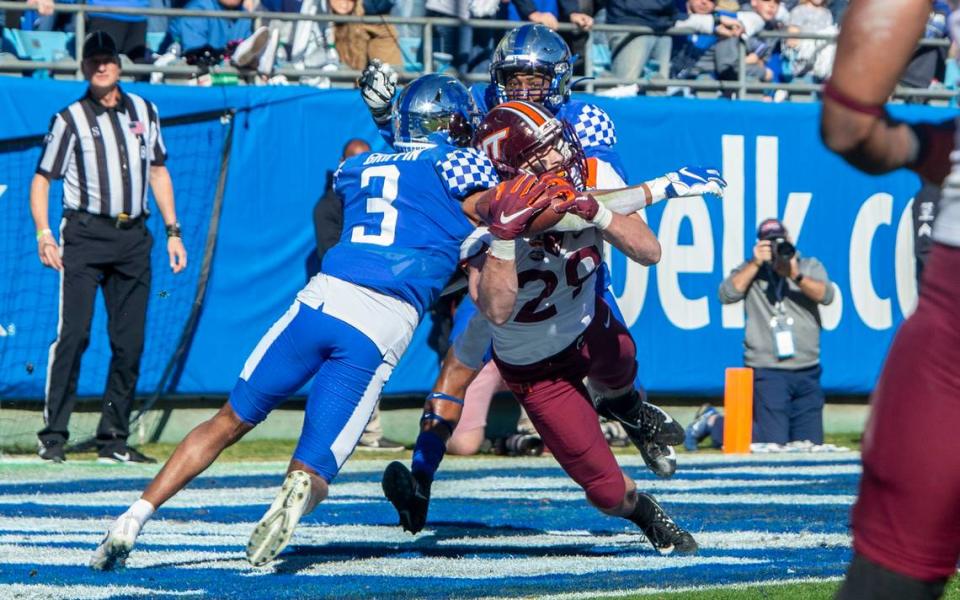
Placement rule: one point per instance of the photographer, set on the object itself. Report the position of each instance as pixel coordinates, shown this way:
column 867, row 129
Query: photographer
column 782, row 339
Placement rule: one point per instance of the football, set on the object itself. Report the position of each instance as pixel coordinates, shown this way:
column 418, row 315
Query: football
column 544, row 220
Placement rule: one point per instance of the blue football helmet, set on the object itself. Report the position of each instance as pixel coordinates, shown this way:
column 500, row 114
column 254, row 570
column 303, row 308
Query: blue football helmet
column 429, row 105
column 533, row 50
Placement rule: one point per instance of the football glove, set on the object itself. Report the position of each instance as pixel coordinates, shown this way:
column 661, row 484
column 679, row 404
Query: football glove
column 377, row 83
column 690, row 181
column 587, row 208
column 516, row 202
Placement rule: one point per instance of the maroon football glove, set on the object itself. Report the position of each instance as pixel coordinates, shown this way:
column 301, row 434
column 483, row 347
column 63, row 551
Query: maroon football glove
column 517, row 201
column 559, row 188
column 583, row 205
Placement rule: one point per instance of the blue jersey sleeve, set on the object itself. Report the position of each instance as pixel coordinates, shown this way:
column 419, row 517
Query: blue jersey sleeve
column 596, row 132
column 464, row 171
column 484, row 96
column 386, row 132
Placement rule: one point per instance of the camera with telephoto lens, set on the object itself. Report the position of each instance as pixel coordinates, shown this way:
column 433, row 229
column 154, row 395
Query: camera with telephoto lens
column 782, row 250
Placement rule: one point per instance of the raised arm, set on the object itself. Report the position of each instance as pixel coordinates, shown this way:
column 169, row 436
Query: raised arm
column 876, row 41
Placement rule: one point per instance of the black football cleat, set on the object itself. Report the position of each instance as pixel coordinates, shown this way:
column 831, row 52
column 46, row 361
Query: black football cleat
column 666, row 536
column 643, row 422
column 649, row 427
column 659, row 458
column 410, row 496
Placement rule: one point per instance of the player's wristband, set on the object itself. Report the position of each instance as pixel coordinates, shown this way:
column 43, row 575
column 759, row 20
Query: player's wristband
column 603, row 218
column 503, row 249
column 873, row 110
column 173, row 230
column 43, row 232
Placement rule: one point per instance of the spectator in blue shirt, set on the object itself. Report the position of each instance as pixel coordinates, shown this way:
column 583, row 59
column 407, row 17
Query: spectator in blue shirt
column 196, row 33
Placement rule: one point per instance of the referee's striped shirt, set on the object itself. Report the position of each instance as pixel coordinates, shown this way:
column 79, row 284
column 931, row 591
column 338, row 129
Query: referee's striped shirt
column 104, row 154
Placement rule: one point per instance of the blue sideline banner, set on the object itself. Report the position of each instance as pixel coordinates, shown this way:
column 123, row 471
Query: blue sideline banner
column 286, row 139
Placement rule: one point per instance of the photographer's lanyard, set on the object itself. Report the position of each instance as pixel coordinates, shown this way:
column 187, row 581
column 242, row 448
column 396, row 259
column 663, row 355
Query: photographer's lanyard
column 781, row 325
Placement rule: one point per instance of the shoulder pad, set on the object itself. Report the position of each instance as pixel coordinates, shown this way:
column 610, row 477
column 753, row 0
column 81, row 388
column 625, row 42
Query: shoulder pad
column 465, row 170
column 592, row 124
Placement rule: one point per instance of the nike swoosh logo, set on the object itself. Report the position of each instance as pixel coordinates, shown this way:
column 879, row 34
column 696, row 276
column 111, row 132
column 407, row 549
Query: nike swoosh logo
column 125, row 457
column 508, row 218
column 606, row 323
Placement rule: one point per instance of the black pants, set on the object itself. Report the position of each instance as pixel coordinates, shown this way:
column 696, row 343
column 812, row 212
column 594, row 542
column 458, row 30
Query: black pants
column 130, row 36
column 97, row 254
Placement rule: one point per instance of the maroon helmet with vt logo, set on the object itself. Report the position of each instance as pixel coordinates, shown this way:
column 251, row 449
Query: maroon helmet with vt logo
column 524, row 137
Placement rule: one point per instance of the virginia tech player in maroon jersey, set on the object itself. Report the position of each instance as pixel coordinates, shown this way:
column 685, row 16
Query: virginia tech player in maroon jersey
column 906, row 521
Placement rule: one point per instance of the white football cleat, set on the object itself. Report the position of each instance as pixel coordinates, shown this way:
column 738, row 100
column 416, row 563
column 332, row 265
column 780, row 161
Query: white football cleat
column 116, row 545
column 273, row 532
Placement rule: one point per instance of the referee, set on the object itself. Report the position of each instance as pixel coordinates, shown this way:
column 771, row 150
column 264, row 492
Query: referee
column 106, row 147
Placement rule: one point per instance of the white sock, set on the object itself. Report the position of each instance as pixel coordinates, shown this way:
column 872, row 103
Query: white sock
column 141, row 510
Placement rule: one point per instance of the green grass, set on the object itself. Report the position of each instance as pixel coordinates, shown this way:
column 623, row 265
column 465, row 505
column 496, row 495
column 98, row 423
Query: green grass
column 274, row 450
column 850, row 440
column 792, row 591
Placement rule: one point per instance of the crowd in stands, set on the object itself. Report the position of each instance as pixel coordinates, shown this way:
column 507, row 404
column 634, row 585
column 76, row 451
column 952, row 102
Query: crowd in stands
column 710, row 52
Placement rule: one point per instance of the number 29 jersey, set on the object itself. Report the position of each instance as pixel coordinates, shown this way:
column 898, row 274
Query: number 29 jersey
column 556, row 299
column 402, row 220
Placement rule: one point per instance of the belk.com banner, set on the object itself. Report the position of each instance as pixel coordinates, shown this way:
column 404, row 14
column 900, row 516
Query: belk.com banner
column 285, row 140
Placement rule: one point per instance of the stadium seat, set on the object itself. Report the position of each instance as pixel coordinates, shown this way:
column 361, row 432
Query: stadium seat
column 410, row 49
column 601, row 58
column 42, row 45
column 11, row 42
column 154, row 39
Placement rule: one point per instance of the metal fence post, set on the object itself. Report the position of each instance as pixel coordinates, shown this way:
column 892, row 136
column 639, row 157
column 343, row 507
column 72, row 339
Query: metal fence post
column 588, row 61
column 742, row 67
column 80, row 32
column 427, row 46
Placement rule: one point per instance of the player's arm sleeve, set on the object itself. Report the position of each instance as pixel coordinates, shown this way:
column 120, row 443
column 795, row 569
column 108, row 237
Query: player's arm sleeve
column 57, row 149
column 158, row 150
column 728, row 292
column 464, row 171
column 386, row 132
column 813, row 268
column 474, row 248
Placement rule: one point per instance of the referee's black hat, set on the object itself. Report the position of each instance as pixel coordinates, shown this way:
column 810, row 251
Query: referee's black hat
column 99, row 43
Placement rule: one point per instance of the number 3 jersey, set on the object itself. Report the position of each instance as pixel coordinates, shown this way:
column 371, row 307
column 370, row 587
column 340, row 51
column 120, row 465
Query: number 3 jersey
column 402, row 220
column 556, row 299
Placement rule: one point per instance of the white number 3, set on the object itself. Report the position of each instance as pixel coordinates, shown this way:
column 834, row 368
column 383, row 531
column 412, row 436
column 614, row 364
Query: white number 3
column 382, row 204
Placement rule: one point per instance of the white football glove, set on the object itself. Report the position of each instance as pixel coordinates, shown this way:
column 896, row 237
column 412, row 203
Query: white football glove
column 378, row 82
column 689, row 181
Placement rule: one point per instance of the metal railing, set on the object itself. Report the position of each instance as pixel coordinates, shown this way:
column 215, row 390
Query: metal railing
column 742, row 85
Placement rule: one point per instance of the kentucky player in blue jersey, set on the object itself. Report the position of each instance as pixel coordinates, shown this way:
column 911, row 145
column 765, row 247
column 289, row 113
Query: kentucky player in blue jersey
column 403, row 227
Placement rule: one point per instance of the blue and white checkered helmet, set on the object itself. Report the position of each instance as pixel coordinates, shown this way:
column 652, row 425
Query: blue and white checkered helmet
column 533, row 49
column 432, row 104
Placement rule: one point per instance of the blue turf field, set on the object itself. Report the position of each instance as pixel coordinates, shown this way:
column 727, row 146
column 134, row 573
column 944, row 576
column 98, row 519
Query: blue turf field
column 498, row 528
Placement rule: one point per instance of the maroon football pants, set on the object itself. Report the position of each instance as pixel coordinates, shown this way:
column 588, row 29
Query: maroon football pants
column 557, row 402
column 907, row 516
